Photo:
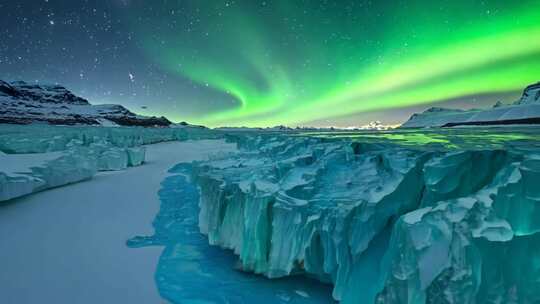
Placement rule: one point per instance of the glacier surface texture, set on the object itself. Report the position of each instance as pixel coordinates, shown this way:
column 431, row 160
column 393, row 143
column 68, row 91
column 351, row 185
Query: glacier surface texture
column 403, row 216
column 397, row 217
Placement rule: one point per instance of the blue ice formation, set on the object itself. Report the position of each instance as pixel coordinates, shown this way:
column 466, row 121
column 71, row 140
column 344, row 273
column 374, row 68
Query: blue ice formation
column 382, row 222
column 60, row 155
column 192, row 271
column 17, row 139
column 79, row 161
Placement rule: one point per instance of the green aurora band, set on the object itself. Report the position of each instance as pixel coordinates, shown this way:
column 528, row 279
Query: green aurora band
column 292, row 62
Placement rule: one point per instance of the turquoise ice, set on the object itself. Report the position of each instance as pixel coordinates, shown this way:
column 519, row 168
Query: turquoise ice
column 404, row 216
column 191, row 271
column 39, row 157
column 443, row 216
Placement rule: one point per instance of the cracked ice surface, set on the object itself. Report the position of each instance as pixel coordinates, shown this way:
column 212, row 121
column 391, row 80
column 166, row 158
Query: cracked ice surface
column 384, row 223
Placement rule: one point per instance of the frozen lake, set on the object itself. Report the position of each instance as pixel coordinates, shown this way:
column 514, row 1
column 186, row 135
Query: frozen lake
column 67, row 245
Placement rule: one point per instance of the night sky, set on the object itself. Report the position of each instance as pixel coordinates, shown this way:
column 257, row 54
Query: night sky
column 264, row 63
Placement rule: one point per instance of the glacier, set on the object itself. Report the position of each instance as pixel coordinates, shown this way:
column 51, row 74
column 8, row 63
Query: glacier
column 39, row 157
column 451, row 220
column 401, row 216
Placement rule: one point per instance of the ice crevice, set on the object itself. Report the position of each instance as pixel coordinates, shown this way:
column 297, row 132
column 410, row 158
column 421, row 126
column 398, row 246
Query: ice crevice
column 383, row 223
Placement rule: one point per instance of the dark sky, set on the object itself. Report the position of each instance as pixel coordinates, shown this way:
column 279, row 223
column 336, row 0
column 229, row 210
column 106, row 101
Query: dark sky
column 271, row 62
column 86, row 46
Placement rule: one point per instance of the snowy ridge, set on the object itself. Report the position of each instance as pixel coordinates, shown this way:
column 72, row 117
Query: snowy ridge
column 24, row 103
column 524, row 111
column 381, row 222
column 374, row 125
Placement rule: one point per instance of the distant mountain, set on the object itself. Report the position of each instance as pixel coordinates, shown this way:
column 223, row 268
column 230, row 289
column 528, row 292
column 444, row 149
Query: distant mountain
column 25, row 103
column 184, row 124
column 524, row 111
column 376, row 126
column 280, row 128
column 531, row 95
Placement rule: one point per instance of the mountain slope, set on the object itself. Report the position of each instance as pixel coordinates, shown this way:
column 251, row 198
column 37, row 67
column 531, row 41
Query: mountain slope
column 24, row 103
column 524, row 111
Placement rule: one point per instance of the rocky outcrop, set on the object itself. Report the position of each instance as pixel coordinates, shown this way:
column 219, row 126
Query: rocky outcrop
column 43, row 94
column 25, row 103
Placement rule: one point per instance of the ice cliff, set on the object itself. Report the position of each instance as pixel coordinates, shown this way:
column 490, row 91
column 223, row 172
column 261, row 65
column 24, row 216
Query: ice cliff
column 383, row 223
column 524, row 111
column 24, row 103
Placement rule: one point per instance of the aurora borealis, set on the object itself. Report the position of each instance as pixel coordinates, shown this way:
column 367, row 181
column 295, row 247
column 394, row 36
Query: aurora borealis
column 291, row 62
column 264, row 63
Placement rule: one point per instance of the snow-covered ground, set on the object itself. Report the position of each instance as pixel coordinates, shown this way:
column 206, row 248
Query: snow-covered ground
column 67, row 245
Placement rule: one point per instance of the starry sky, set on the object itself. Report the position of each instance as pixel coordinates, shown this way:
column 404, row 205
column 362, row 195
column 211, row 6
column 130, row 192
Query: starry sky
column 265, row 63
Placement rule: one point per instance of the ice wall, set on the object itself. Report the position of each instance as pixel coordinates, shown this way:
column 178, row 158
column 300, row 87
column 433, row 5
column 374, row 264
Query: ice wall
column 189, row 267
column 384, row 223
column 28, row 173
column 15, row 139
column 38, row 157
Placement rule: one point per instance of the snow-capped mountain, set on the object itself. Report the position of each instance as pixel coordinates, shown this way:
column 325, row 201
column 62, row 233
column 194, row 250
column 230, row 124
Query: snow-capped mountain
column 376, row 126
column 531, row 95
column 25, row 103
column 524, row 111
